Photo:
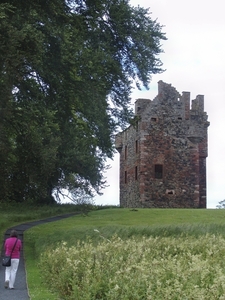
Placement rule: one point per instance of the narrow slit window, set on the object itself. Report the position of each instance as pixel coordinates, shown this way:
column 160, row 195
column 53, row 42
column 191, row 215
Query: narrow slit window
column 136, row 146
column 125, row 177
column 159, row 171
column 125, row 152
column 136, row 173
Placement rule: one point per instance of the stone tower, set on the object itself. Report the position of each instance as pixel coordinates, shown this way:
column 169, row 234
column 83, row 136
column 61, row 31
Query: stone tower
column 163, row 153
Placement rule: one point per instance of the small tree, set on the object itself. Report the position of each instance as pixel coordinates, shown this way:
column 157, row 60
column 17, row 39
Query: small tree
column 221, row 204
column 78, row 197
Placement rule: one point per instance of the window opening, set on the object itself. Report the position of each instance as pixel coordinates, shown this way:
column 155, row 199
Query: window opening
column 170, row 192
column 136, row 173
column 158, row 171
column 125, row 152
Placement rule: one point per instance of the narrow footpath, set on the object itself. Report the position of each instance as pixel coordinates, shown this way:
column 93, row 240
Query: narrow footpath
column 21, row 292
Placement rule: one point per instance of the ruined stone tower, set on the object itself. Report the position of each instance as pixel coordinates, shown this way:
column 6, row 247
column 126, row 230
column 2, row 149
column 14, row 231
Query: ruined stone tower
column 163, row 153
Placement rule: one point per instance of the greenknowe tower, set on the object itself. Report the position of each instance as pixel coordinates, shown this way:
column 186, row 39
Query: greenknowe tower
column 163, row 153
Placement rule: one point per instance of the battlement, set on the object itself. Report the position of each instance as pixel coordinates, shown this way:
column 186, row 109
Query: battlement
column 171, row 102
column 166, row 92
column 198, row 104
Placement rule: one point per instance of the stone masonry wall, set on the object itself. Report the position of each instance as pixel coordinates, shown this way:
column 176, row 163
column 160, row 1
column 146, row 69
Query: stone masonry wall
column 163, row 156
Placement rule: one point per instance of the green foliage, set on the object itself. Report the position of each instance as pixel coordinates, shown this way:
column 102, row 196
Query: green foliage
column 137, row 268
column 37, row 290
column 221, row 204
column 66, row 70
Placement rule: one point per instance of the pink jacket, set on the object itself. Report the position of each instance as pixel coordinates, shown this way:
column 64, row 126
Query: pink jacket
column 9, row 243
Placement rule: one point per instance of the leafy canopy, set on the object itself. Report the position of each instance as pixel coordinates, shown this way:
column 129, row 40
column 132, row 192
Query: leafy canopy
column 67, row 69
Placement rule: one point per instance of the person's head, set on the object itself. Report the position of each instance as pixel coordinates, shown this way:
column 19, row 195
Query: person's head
column 13, row 233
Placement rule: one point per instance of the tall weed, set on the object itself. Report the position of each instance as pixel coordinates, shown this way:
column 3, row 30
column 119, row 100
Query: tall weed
column 150, row 268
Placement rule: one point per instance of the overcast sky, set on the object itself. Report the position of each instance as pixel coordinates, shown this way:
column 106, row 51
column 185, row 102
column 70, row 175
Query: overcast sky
column 194, row 61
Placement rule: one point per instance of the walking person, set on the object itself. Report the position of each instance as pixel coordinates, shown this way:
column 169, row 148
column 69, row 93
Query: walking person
column 12, row 248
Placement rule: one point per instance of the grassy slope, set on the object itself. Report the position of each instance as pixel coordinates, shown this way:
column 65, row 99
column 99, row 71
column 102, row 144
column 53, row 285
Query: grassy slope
column 17, row 213
column 124, row 222
column 117, row 220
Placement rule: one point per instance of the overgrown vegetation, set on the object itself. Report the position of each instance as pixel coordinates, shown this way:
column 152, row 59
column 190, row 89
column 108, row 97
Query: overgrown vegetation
column 178, row 238
column 159, row 268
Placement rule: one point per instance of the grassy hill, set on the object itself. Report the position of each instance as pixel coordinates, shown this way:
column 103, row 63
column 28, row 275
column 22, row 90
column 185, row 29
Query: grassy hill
column 101, row 225
column 170, row 229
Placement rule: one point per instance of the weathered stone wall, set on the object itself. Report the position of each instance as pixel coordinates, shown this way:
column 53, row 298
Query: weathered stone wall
column 171, row 135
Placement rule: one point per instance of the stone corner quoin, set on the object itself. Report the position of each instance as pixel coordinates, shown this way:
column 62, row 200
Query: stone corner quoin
column 163, row 152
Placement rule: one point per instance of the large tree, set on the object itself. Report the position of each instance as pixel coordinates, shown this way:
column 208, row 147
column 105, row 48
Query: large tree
column 67, row 69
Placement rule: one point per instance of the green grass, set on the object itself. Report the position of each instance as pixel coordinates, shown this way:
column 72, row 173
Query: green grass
column 12, row 214
column 16, row 213
column 35, row 285
column 124, row 222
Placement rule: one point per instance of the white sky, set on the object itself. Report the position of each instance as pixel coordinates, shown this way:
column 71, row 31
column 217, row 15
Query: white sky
column 194, row 61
